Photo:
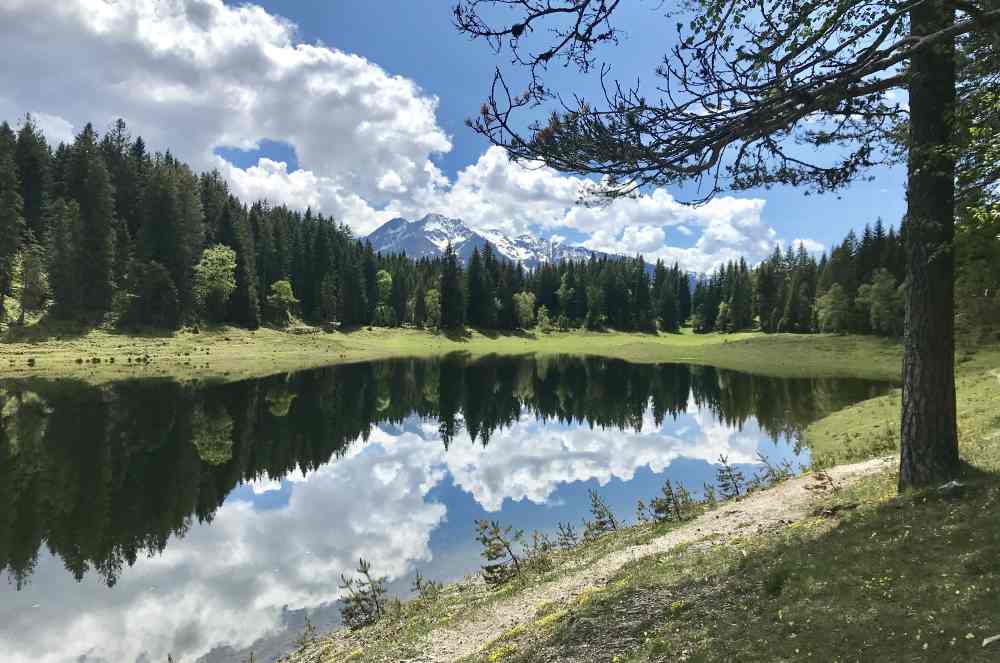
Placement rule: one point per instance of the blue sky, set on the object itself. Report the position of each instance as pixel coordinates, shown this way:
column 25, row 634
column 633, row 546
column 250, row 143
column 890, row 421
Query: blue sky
column 411, row 39
column 364, row 103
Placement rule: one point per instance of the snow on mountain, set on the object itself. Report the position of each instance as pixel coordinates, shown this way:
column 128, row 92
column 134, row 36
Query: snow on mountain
column 429, row 236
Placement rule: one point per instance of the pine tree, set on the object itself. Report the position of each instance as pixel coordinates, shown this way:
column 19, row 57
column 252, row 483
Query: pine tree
column 12, row 225
column 34, row 277
column 452, row 298
column 370, row 282
column 668, row 310
column 365, row 601
column 244, row 307
column 731, row 482
column 32, row 158
column 644, row 315
column 476, row 291
column 502, row 562
column 603, row 519
column 89, row 184
column 64, row 239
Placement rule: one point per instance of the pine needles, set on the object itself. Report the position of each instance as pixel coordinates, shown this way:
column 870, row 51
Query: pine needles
column 365, row 601
column 502, row 563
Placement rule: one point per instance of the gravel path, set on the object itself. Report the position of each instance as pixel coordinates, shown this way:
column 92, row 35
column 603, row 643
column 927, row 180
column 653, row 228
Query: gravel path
column 785, row 503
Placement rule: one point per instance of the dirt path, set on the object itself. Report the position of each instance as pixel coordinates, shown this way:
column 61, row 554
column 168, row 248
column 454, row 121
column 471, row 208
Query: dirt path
column 787, row 502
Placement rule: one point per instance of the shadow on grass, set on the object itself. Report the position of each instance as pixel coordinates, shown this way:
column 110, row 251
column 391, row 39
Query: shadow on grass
column 46, row 329
column 911, row 577
column 508, row 333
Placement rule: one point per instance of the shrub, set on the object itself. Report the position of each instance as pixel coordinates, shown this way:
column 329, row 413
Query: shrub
column 365, row 601
column 502, row 563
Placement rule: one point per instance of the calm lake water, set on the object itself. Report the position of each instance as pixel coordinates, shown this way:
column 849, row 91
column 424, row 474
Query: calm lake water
column 146, row 517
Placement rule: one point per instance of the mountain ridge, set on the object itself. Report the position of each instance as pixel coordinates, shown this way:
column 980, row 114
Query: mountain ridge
column 429, row 236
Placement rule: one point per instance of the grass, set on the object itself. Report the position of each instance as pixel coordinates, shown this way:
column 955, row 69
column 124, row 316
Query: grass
column 100, row 355
column 400, row 637
column 871, row 427
column 879, row 577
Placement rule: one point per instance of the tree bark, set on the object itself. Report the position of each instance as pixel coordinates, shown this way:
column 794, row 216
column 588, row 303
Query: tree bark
column 929, row 444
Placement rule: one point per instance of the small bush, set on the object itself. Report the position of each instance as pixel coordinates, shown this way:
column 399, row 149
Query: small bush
column 604, row 520
column 502, row 563
column 365, row 601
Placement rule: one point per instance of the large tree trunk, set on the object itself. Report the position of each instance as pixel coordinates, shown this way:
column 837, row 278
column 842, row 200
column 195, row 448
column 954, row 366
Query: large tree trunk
column 929, row 445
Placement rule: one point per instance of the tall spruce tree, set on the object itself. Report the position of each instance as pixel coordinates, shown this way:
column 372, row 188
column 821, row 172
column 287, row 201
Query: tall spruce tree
column 89, row 184
column 452, row 297
column 475, row 289
column 12, row 226
column 32, row 158
column 63, row 242
column 244, row 305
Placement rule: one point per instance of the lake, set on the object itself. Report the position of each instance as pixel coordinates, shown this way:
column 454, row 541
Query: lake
column 148, row 517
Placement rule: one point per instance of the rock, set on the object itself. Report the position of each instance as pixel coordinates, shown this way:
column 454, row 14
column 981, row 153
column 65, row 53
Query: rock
column 952, row 489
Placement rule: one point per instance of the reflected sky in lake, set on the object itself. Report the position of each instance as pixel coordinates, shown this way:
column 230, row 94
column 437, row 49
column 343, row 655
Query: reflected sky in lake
column 141, row 519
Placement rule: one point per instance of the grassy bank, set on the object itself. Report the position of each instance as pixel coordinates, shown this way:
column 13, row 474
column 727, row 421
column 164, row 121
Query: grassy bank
column 866, row 575
column 231, row 353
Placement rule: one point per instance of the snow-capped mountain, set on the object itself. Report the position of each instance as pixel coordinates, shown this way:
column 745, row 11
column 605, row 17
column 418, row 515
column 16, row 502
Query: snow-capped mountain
column 429, row 236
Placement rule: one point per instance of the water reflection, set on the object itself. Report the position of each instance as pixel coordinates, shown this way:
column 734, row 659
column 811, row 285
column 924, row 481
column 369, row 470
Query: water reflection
column 220, row 514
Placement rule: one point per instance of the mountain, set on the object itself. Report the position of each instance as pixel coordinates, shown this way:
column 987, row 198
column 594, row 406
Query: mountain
column 428, row 237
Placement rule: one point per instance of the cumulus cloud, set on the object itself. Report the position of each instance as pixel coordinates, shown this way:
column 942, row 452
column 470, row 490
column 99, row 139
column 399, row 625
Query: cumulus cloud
column 509, row 469
column 194, row 75
column 197, row 75
column 519, row 197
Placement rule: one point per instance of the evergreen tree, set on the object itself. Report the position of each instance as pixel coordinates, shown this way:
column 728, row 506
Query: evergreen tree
column 34, row 277
column 644, row 315
column 244, row 308
column 32, row 159
column 88, row 183
column 153, row 298
column 12, row 226
column 476, row 290
column 64, row 240
column 452, row 297
column 370, row 283
column 668, row 310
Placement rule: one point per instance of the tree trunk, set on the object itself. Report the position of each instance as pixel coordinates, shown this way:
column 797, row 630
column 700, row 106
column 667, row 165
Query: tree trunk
column 929, row 445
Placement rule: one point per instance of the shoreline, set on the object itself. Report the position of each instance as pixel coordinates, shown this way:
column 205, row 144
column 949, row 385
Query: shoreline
column 230, row 354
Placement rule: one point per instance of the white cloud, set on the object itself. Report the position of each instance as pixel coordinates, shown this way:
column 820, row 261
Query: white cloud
column 508, row 469
column 195, row 75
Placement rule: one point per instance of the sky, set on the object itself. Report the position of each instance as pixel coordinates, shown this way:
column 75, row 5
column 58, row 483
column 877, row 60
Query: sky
column 357, row 109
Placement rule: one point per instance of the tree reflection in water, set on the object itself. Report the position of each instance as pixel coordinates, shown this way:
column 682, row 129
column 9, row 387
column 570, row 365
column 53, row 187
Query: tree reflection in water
column 103, row 474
